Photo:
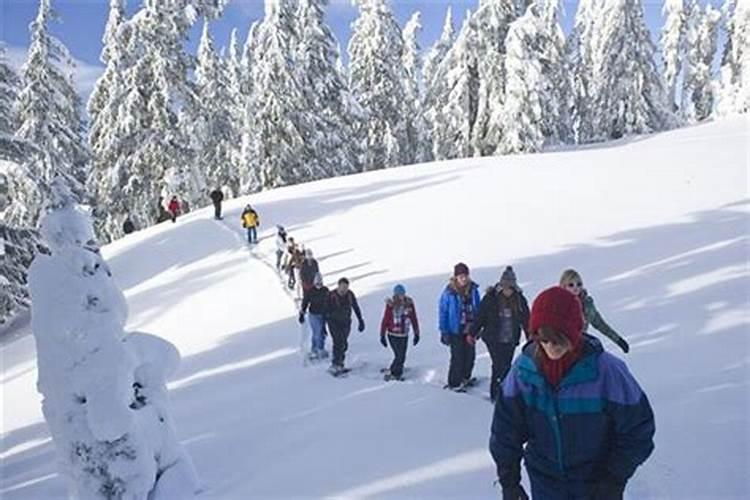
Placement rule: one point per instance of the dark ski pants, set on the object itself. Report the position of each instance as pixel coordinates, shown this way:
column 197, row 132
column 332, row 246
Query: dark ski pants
column 217, row 210
column 502, row 357
column 340, row 336
column 252, row 235
column 462, row 360
column 398, row 345
column 552, row 489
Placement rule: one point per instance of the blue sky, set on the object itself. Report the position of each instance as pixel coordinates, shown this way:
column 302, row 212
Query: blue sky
column 82, row 22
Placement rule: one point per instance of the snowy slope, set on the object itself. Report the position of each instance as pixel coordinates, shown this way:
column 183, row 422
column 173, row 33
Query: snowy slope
column 657, row 225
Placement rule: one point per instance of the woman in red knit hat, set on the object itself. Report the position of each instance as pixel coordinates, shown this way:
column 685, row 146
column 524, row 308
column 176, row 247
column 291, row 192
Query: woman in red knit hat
column 572, row 411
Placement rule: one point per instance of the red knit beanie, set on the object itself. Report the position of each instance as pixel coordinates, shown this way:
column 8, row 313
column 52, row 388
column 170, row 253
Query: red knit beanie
column 559, row 309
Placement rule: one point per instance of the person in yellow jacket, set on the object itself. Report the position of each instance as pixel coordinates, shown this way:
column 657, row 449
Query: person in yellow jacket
column 251, row 221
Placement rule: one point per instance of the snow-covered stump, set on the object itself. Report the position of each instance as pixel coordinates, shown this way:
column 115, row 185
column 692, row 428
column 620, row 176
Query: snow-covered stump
column 105, row 397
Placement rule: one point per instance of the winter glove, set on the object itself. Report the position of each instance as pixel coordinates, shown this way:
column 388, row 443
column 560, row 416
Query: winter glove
column 608, row 488
column 416, row 339
column 383, row 342
column 301, row 318
column 445, row 339
column 471, row 340
column 623, row 345
column 515, row 493
column 361, row 327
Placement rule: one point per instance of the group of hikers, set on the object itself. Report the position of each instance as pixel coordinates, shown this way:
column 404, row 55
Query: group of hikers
column 568, row 408
column 175, row 208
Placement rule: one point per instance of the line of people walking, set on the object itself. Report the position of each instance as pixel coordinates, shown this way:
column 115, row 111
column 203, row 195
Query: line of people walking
column 572, row 410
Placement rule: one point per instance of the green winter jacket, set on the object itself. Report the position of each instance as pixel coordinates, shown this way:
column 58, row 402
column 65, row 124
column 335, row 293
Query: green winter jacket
column 592, row 317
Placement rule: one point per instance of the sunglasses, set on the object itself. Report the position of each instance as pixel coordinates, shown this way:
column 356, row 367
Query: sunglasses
column 577, row 284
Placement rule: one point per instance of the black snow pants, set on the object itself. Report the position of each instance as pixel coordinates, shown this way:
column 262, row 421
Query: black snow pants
column 398, row 345
column 463, row 355
column 217, row 210
column 340, row 335
column 502, row 357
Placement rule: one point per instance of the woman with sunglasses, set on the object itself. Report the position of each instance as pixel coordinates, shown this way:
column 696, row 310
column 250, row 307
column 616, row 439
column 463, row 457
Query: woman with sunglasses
column 584, row 421
column 571, row 281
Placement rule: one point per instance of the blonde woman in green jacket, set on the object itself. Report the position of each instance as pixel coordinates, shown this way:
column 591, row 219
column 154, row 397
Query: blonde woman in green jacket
column 571, row 281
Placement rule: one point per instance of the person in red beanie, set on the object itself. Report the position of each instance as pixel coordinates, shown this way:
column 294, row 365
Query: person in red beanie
column 572, row 411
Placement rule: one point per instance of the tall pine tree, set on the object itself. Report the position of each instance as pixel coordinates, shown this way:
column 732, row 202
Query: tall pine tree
column 538, row 88
column 217, row 133
column 625, row 89
column 700, row 49
column 280, row 120
column 734, row 85
column 673, row 46
column 417, row 139
column 49, row 112
column 330, row 107
column 376, row 76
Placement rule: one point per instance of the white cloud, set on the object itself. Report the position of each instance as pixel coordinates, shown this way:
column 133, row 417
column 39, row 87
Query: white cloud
column 84, row 74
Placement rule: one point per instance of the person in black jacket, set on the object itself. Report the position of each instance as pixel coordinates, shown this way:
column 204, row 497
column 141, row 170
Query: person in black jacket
column 128, row 226
column 307, row 271
column 503, row 313
column 316, row 299
column 341, row 302
column 217, row 196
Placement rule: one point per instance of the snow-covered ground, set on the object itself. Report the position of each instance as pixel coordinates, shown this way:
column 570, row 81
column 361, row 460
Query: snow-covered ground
column 659, row 227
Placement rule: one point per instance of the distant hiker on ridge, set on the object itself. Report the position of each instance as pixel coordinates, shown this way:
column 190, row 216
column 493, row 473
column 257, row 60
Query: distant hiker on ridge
column 217, row 196
column 128, row 226
column 571, row 281
column 251, row 221
column 174, row 208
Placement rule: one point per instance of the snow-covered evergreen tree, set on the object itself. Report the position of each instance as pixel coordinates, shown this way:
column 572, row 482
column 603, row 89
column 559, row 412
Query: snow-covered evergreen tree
column 250, row 174
column 281, row 124
column 218, row 134
column 451, row 102
column 376, row 76
column 538, row 87
column 417, row 139
column 330, row 108
column 48, row 110
column 734, row 87
column 625, row 89
column 673, row 45
column 104, row 392
column 700, row 42
column 438, row 51
column 147, row 153
column 491, row 23
column 582, row 55
column 10, row 84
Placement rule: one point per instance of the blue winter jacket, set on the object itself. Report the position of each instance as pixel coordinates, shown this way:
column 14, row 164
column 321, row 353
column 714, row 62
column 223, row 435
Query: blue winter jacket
column 598, row 423
column 450, row 308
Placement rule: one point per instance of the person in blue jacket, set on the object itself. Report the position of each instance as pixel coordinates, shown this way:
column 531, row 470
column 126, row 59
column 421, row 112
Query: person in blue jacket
column 572, row 411
column 459, row 305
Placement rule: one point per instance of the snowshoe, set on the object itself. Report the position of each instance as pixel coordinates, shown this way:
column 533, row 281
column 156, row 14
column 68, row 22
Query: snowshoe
column 470, row 382
column 458, row 388
column 389, row 377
